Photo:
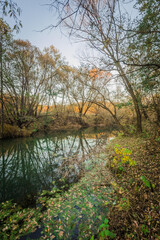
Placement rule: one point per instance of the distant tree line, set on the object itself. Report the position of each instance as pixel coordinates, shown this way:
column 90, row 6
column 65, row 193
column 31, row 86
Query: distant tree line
column 125, row 72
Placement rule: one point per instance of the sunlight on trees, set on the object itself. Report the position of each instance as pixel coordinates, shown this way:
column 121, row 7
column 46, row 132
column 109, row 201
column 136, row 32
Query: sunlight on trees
column 124, row 72
column 107, row 29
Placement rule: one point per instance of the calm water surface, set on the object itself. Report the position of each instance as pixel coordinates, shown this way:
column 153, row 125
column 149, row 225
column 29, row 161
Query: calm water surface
column 30, row 165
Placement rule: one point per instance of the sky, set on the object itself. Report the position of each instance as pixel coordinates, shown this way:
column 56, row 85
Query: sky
column 35, row 17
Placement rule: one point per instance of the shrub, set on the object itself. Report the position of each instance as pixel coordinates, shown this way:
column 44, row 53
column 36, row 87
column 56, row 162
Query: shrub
column 14, row 131
column 122, row 158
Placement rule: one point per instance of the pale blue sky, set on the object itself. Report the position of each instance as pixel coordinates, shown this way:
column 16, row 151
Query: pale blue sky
column 36, row 17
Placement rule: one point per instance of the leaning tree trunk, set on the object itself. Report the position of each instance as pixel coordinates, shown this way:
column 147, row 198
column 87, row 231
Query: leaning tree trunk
column 132, row 94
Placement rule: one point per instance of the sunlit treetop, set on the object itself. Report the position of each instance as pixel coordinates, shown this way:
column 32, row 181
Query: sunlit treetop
column 99, row 74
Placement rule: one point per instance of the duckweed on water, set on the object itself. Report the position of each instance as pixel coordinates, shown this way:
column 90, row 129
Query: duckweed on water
column 75, row 214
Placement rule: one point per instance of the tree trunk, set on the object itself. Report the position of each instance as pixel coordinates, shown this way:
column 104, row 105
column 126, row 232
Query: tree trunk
column 131, row 92
column 2, row 102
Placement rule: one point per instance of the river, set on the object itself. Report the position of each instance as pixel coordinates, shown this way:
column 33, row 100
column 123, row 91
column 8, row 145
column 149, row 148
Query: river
column 30, row 165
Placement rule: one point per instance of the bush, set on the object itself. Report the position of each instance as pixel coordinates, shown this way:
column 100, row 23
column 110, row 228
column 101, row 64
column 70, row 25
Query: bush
column 122, row 158
column 14, row 131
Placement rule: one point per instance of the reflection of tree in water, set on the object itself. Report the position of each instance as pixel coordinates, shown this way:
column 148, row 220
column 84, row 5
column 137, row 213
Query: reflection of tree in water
column 29, row 165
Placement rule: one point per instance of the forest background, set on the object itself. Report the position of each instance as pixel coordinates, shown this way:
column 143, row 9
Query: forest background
column 117, row 83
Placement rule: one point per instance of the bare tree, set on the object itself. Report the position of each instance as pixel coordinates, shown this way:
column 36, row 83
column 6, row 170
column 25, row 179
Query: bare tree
column 100, row 24
column 79, row 94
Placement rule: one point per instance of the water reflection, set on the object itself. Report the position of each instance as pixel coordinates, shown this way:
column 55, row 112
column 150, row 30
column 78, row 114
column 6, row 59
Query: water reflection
column 27, row 166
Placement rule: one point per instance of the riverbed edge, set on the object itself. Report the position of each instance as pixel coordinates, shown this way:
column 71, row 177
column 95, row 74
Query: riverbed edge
column 134, row 215
column 133, row 212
